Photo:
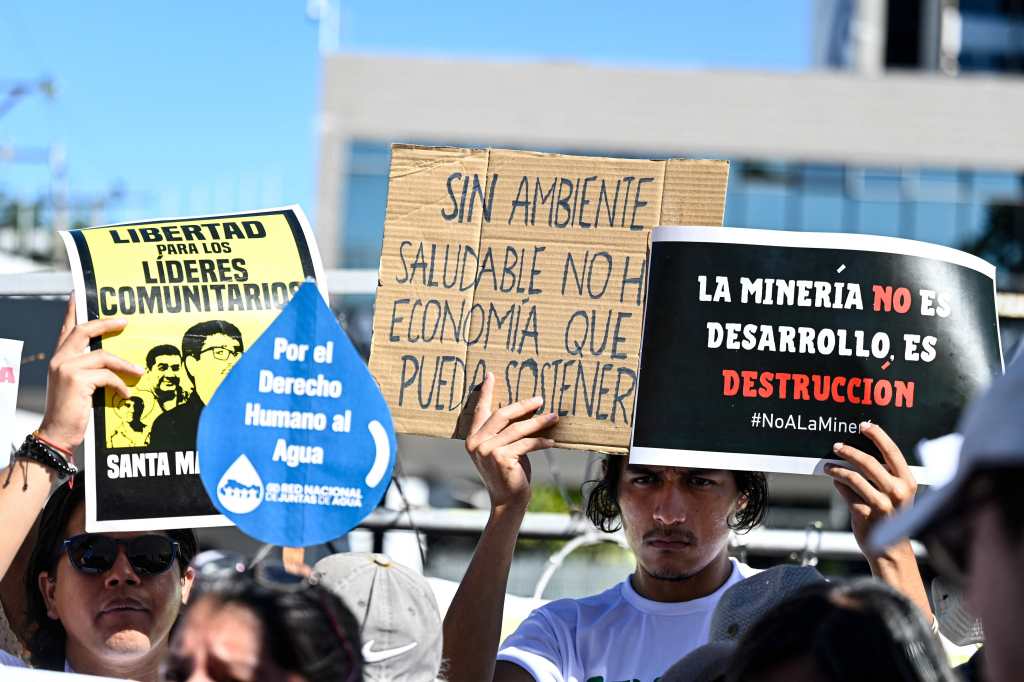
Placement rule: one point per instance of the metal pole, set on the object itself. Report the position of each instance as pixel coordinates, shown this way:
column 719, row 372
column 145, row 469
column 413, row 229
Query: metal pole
column 761, row 541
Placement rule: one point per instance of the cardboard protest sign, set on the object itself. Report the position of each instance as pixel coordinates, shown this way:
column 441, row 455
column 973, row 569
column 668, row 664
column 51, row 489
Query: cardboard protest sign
column 297, row 445
column 528, row 265
column 763, row 348
column 10, row 372
column 196, row 292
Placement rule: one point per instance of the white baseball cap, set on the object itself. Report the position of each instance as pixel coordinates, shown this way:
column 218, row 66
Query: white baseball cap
column 993, row 437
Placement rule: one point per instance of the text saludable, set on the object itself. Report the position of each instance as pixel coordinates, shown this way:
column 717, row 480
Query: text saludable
column 595, row 376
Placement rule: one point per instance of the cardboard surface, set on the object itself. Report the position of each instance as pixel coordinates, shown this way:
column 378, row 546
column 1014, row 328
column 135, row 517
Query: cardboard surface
column 529, row 265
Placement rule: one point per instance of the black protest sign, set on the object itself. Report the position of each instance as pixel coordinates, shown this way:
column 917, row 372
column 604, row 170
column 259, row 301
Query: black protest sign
column 763, row 348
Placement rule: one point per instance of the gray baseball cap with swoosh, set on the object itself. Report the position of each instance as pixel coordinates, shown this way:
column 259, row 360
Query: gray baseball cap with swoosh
column 399, row 622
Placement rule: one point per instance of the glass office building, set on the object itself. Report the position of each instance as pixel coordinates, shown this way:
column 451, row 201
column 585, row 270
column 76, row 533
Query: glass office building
column 945, row 36
column 954, row 207
column 946, row 206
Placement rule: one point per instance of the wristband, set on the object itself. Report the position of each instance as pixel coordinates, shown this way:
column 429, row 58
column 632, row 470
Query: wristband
column 41, row 451
column 68, row 455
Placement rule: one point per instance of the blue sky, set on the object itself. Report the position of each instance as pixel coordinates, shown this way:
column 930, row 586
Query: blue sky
column 204, row 106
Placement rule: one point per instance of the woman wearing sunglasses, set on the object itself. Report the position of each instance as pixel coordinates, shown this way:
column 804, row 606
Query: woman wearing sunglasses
column 101, row 604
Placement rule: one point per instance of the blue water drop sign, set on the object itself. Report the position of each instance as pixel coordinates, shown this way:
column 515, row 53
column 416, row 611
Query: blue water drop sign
column 297, row 445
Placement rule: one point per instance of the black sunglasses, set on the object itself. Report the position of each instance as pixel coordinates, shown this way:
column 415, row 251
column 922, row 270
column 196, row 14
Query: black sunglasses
column 93, row 554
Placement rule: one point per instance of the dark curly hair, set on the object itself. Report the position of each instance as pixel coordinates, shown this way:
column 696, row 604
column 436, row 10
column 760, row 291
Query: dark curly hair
column 49, row 637
column 603, row 498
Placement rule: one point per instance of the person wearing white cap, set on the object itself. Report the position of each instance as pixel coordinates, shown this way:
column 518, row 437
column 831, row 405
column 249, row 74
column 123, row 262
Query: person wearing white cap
column 974, row 525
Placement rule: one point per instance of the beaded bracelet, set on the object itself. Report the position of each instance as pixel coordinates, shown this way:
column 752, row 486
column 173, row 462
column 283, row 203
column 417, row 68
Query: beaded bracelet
column 39, row 450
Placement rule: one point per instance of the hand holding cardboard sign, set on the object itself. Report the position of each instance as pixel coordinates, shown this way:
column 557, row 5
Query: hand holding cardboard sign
column 874, row 490
column 75, row 374
column 498, row 441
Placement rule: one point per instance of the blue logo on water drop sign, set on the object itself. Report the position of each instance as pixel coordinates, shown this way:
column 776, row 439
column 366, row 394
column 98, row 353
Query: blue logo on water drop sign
column 297, row 446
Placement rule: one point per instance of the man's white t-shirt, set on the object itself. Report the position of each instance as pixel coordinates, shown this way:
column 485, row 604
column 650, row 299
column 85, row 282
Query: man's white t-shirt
column 612, row 636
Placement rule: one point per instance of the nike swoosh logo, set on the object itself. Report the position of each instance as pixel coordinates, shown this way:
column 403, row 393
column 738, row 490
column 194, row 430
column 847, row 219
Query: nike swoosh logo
column 371, row 656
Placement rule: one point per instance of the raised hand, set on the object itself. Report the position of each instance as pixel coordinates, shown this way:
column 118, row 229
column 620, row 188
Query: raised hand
column 75, row 374
column 499, row 441
column 872, row 489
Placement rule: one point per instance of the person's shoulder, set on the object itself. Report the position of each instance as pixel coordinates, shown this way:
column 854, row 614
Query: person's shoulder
column 161, row 422
column 166, row 426
column 179, row 411
column 167, row 415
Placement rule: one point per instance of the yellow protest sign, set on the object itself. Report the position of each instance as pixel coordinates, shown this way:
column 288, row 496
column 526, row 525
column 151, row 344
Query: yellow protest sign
column 196, row 293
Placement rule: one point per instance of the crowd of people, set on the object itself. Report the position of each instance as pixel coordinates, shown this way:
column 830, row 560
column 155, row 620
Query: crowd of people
column 148, row 606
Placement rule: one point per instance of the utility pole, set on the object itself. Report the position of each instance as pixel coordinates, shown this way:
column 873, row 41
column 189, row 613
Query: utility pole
column 327, row 14
column 53, row 156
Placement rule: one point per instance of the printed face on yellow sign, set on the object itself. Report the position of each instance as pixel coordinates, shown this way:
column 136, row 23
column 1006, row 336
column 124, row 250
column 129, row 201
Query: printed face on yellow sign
column 196, row 294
